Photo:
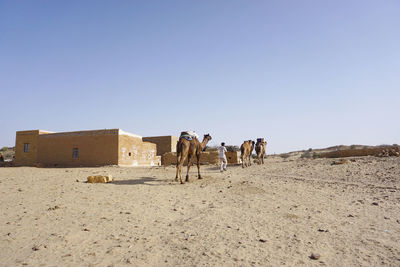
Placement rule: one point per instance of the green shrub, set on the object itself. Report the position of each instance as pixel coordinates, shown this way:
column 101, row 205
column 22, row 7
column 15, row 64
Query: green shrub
column 316, row 155
column 306, row 155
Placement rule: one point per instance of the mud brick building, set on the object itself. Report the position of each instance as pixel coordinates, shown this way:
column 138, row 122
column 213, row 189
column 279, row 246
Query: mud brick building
column 165, row 144
column 83, row 148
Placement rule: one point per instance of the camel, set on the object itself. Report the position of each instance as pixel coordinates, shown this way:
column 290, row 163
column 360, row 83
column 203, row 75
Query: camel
column 246, row 149
column 251, row 148
column 260, row 150
column 188, row 149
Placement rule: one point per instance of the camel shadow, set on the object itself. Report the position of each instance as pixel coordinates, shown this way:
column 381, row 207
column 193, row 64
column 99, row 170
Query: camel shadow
column 140, row 181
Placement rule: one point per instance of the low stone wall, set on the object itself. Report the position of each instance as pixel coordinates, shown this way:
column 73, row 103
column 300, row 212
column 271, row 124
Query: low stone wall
column 211, row 157
column 378, row 152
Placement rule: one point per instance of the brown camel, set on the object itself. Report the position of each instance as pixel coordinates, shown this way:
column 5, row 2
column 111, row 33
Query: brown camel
column 260, row 150
column 246, row 149
column 189, row 149
column 252, row 143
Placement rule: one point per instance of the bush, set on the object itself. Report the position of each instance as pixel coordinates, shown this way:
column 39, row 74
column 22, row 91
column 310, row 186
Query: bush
column 232, row 148
column 4, row 149
column 211, row 148
column 315, row 155
column 306, row 155
column 284, row 156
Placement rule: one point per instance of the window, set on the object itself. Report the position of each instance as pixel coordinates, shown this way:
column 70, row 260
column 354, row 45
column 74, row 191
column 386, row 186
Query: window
column 75, row 152
column 26, row 148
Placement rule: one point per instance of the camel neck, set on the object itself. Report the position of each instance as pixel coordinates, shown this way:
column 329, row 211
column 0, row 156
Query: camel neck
column 204, row 143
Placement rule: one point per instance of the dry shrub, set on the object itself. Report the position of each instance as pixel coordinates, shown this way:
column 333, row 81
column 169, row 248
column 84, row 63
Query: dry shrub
column 228, row 148
column 284, row 156
column 232, row 148
column 339, row 162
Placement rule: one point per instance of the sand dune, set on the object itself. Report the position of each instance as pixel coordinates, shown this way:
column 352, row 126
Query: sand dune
column 271, row 215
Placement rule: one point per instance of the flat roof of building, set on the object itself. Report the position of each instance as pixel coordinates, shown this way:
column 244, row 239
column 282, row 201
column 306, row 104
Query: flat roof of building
column 77, row 133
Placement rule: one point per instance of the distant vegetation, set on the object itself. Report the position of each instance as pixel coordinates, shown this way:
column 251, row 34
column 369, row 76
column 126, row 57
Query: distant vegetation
column 228, row 148
column 7, row 152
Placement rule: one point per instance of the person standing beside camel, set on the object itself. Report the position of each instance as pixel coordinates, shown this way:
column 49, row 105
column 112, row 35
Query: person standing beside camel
column 222, row 157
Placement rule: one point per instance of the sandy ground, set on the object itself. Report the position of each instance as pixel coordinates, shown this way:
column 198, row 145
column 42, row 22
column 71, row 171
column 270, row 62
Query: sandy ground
column 270, row 215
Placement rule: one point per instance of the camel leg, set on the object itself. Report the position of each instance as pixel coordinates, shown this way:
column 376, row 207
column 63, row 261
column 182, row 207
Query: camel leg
column 242, row 161
column 182, row 160
column 180, row 172
column 198, row 166
column 177, row 167
column 188, row 167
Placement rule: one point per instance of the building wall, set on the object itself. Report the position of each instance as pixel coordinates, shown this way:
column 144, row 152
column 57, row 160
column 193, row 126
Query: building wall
column 164, row 144
column 27, row 137
column 95, row 148
column 233, row 157
column 132, row 151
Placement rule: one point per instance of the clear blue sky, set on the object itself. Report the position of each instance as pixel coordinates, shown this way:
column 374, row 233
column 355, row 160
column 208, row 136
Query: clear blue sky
column 299, row 73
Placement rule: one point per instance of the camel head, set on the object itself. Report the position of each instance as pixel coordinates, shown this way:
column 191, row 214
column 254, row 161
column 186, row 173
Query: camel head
column 206, row 139
column 264, row 143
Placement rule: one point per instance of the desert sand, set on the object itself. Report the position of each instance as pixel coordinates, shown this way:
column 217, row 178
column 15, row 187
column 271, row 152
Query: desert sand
column 271, row 215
